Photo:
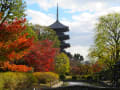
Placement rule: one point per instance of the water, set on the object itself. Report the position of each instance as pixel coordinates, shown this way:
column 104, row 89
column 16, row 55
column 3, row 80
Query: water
column 78, row 83
column 82, row 84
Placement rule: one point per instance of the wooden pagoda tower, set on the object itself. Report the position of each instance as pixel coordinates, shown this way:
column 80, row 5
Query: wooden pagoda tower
column 60, row 30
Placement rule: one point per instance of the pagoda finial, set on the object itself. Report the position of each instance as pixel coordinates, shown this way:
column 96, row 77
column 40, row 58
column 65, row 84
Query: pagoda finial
column 57, row 12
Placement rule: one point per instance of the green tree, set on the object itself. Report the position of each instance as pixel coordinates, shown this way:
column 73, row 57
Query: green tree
column 62, row 64
column 78, row 57
column 30, row 31
column 107, row 40
column 47, row 33
column 12, row 9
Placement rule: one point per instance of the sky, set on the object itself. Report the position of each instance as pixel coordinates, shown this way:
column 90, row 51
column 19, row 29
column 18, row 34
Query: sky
column 80, row 15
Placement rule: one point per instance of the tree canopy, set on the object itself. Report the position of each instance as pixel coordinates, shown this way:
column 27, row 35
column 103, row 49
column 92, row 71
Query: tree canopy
column 78, row 57
column 13, row 45
column 30, row 31
column 41, row 56
column 12, row 9
column 47, row 33
column 107, row 40
column 62, row 64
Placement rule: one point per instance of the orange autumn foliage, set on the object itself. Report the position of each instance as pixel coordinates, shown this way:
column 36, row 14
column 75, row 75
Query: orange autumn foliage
column 0, row 15
column 10, row 31
column 42, row 56
column 97, row 67
column 14, row 45
column 20, row 47
column 18, row 68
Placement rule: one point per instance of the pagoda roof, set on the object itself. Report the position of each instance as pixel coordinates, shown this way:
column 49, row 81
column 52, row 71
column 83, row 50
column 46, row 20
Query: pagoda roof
column 58, row 25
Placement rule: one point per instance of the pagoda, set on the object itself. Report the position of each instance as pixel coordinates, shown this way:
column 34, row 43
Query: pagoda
column 60, row 30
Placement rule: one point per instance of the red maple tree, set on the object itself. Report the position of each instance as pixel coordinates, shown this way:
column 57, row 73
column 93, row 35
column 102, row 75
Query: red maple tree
column 42, row 56
column 97, row 67
column 13, row 45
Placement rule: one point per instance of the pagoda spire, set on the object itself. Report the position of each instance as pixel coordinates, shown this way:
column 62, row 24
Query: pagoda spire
column 60, row 30
column 57, row 12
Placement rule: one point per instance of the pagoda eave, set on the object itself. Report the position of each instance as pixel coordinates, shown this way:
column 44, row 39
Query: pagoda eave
column 66, row 45
column 64, row 37
column 61, row 29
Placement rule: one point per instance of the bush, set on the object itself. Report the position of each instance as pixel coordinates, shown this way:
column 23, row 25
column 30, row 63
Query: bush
column 67, row 73
column 15, row 80
column 62, row 77
column 89, row 78
column 85, row 77
column 46, row 77
column 74, row 77
column 96, row 77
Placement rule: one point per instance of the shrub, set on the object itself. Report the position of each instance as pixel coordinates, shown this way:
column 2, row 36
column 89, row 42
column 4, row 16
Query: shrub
column 74, row 77
column 46, row 77
column 86, row 77
column 15, row 80
column 68, row 77
column 67, row 73
column 62, row 77
column 83, row 77
column 96, row 77
column 89, row 78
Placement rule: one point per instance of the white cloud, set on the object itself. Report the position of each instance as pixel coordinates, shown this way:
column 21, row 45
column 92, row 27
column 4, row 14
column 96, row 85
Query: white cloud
column 84, row 22
column 82, row 25
column 76, row 5
column 79, row 49
column 39, row 17
column 45, row 4
column 73, row 6
column 43, row 19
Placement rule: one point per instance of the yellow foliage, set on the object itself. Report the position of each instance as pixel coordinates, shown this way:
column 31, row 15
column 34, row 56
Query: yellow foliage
column 46, row 77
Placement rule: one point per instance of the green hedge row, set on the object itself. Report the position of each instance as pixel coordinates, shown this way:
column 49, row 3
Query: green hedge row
column 46, row 77
column 15, row 80
column 18, row 80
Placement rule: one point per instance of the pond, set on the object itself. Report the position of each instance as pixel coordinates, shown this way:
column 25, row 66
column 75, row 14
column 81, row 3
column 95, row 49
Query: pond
column 79, row 83
column 93, row 84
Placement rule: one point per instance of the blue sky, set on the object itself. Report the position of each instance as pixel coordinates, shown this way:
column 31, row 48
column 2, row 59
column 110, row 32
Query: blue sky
column 80, row 15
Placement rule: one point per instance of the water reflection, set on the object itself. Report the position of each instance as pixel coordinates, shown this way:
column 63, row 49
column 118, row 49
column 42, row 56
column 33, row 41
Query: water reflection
column 82, row 84
column 79, row 83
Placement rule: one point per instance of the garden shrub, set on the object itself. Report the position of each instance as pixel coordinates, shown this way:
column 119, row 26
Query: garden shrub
column 27, row 79
column 68, row 77
column 15, row 80
column 46, row 77
column 1, row 83
column 89, row 78
column 67, row 73
column 74, row 77
column 81, row 77
column 86, row 77
column 96, row 77
column 62, row 77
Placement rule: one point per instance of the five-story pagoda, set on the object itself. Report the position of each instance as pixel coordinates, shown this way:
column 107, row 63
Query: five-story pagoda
column 60, row 30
